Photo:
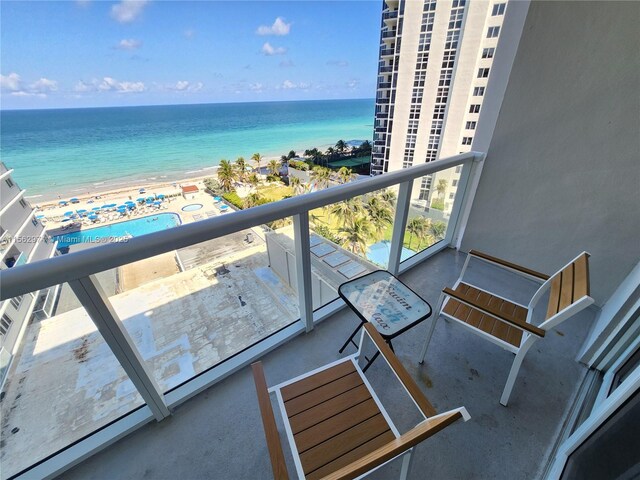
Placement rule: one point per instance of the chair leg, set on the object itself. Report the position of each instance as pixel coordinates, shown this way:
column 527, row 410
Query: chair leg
column 406, row 465
column 431, row 328
column 513, row 373
column 350, row 339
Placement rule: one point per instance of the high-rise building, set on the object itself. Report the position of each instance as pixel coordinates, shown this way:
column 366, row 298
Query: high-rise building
column 22, row 240
column 435, row 62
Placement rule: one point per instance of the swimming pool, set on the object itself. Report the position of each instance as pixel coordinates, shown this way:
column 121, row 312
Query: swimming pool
column 192, row 207
column 378, row 253
column 109, row 233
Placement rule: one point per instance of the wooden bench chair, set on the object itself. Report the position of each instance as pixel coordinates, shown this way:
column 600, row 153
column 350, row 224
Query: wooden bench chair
column 336, row 426
column 507, row 323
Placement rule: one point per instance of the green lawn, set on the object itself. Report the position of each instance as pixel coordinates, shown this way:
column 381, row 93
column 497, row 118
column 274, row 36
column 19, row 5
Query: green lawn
column 273, row 193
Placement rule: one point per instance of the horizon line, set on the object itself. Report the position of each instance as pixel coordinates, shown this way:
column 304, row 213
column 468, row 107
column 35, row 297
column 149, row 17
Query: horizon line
column 2, row 110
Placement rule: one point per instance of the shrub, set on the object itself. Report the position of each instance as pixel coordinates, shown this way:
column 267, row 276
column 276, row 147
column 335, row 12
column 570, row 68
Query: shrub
column 233, row 199
column 325, row 232
column 437, row 204
column 299, row 165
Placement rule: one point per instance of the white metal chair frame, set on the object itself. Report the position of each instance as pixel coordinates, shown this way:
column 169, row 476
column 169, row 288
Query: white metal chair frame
column 531, row 333
column 431, row 424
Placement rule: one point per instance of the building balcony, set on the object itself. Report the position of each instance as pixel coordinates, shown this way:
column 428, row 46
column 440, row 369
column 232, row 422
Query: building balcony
column 387, row 52
column 389, row 16
column 388, row 34
column 384, row 85
column 383, row 101
column 386, row 69
column 460, row 370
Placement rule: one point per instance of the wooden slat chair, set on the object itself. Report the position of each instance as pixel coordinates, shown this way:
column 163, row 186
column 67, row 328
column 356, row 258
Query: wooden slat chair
column 336, row 426
column 507, row 323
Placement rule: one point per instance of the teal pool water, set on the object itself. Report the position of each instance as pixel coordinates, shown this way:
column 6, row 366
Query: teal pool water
column 378, row 253
column 116, row 231
column 192, row 208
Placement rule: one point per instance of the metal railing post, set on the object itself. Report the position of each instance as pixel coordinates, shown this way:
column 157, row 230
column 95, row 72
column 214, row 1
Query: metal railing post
column 399, row 226
column 97, row 305
column 303, row 268
column 461, row 202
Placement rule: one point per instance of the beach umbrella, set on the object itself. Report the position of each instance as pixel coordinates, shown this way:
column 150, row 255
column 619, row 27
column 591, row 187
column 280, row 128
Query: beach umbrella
column 161, row 196
column 66, row 220
column 62, row 202
column 129, row 202
column 81, row 211
column 95, row 208
column 223, row 207
column 140, row 199
column 157, row 202
column 93, row 216
column 40, row 216
column 74, row 200
column 151, row 198
column 142, row 190
column 68, row 214
column 111, row 205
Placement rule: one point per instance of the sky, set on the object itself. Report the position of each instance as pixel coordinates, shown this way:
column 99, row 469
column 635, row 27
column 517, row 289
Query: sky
column 76, row 54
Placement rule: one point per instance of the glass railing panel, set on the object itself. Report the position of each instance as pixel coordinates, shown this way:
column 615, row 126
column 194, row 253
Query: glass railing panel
column 190, row 309
column 61, row 382
column 432, row 200
column 349, row 239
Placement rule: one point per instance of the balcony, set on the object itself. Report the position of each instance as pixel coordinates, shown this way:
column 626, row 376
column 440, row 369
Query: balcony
column 384, row 85
column 386, row 69
column 389, row 34
column 387, row 52
column 460, row 370
column 390, row 17
column 383, row 101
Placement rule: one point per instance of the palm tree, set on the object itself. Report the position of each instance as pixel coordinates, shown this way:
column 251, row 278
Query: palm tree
column 296, row 184
column 441, row 187
column 321, row 176
column 388, row 196
column 291, row 154
column 257, row 158
column 354, row 237
column 251, row 200
column 347, row 210
column 415, row 227
column 253, row 179
column 380, row 214
column 345, row 175
column 341, row 146
column 226, row 175
column 438, row 230
column 241, row 166
column 273, row 167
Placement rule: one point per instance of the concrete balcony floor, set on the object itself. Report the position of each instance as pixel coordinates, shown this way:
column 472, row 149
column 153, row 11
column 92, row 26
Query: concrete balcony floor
column 218, row 434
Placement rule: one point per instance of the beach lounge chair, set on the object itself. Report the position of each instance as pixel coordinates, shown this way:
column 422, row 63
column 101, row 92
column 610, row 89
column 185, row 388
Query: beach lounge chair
column 336, row 425
column 507, row 323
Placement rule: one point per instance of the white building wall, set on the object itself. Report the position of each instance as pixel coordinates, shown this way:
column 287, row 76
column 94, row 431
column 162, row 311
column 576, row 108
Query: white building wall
column 567, row 133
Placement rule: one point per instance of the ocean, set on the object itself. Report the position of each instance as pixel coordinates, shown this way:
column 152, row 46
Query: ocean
column 75, row 151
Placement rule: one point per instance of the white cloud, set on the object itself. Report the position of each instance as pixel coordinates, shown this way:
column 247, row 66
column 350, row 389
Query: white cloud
column 82, row 87
column 44, row 85
column 279, row 27
column 109, row 84
column 182, row 86
column 129, row 44
column 10, row 82
column 22, row 93
column 256, row 87
column 353, row 83
column 128, row 10
column 289, row 85
column 269, row 50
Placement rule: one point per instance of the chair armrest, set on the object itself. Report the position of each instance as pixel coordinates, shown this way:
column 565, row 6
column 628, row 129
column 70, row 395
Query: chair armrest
column 494, row 312
column 395, row 447
column 512, row 266
column 402, row 374
column 269, row 422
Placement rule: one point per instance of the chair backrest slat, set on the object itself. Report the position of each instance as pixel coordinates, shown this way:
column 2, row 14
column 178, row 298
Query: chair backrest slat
column 569, row 285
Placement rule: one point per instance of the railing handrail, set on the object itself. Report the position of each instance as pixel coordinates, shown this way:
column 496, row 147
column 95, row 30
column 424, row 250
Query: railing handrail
column 63, row 268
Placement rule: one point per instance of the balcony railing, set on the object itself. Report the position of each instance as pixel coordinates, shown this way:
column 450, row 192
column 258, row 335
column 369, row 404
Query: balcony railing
column 389, row 34
column 384, row 85
column 386, row 69
column 80, row 269
column 386, row 52
column 390, row 15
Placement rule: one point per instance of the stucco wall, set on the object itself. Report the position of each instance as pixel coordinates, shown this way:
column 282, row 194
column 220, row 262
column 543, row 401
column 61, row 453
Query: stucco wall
column 562, row 173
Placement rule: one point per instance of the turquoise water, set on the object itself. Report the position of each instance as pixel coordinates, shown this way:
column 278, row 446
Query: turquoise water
column 192, row 208
column 76, row 151
column 378, row 253
column 136, row 227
